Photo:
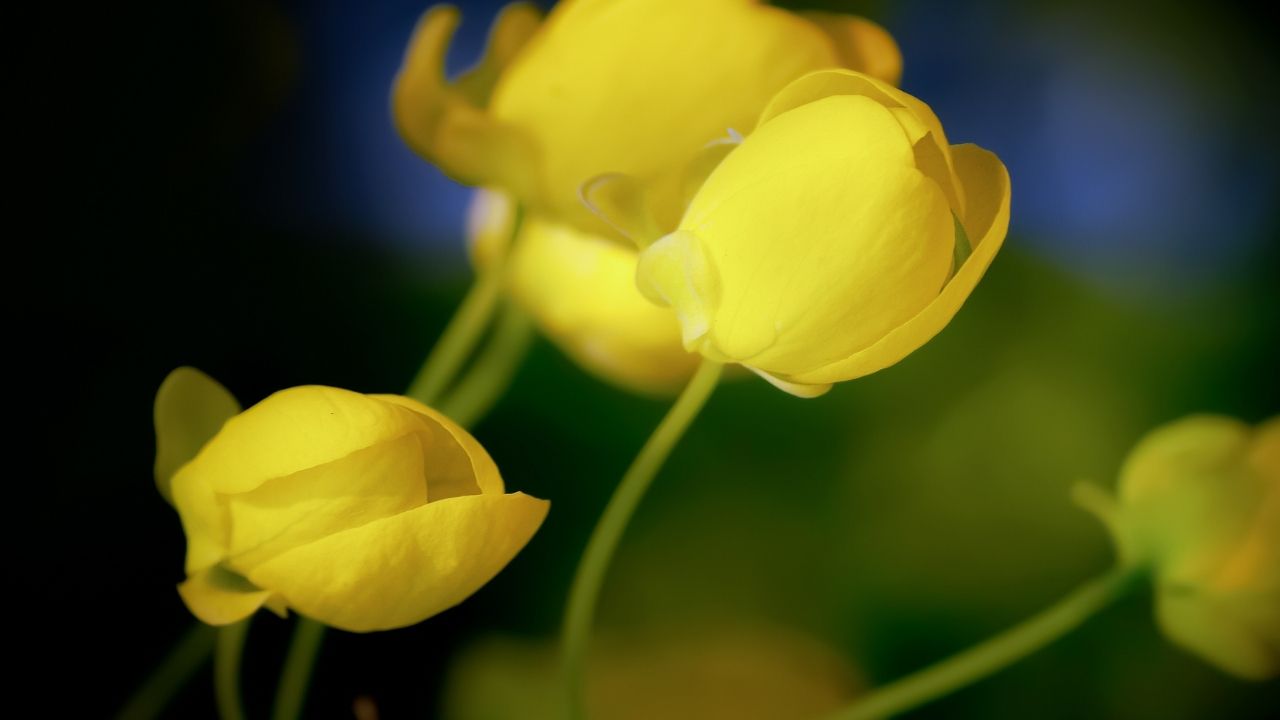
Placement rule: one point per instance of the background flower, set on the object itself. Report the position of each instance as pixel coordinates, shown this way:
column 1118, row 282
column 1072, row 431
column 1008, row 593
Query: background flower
column 1198, row 504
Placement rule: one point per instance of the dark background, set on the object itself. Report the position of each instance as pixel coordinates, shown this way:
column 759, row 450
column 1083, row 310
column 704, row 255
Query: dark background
column 226, row 191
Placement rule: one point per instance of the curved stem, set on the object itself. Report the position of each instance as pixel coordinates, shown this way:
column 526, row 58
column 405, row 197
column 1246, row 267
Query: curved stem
column 296, row 676
column 464, row 329
column 456, row 343
column 171, row 675
column 994, row 654
column 227, row 653
column 608, row 531
column 493, row 369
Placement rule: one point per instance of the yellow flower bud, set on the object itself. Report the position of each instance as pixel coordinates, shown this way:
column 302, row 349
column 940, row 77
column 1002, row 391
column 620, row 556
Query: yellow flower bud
column 840, row 236
column 580, row 290
column 1199, row 505
column 627, row 86
column 365, row 512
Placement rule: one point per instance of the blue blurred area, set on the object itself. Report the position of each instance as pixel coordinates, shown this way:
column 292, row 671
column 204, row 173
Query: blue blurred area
column 334, row 164
column 1130, row 164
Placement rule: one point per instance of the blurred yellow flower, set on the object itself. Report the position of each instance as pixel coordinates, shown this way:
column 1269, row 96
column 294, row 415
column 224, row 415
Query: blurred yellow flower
column 365, row 512
column 840, row 236
column 747, row 671
column 580, row 290
column 613, row 86
column 1199, row 505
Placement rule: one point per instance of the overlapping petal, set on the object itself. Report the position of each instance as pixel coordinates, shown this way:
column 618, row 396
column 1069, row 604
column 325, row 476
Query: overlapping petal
column 362, row 511
column 402, row 569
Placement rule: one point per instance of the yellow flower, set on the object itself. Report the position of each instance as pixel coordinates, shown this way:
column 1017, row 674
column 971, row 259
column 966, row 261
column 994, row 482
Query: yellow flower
column 626, row 86
column 365, row 512
column 834, row 240
column 1199, row 505
column 580, row 290
column 714, row 671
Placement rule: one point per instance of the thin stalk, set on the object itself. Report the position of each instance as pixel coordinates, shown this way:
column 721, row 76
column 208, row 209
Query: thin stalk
column 226, row 669
column 464, row 329
column 493, row 369
column 994, row 654
column 589, row 578
column 172, row 674
column 292, row 694
column 455, row 345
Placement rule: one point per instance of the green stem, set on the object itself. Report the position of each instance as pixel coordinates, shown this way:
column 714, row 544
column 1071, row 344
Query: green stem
column 493, row 369
column 994, row 654
column 608, row 531
column 475, row 396
column 296, row 676
column 464, row 329
column 171, row 675
column 226, row 669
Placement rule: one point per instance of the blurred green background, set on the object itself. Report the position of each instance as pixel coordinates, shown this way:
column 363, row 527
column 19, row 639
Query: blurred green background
column 239, row 202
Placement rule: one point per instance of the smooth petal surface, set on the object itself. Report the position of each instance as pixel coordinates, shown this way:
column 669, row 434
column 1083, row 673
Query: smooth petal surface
column 1189, row 497
column 862, row 45
column 823, row 237
column 514, row 26
column 190, row 408
column 580, row 289
column 400, row 570
column 219, row 597
column 293, row 430
column 987, row 182
column 369, row 484
column 490, row 216
column 444, row 123
column 639, row 86
column 623, row 203
column 1240, row 632
column 929, row 141
column 455, row 462
column 204, row 519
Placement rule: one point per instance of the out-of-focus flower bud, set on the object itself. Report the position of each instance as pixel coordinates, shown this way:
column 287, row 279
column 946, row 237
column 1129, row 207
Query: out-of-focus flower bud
column 748, row 672
column 580, row 290
column 1199, row 506
column 613, row 86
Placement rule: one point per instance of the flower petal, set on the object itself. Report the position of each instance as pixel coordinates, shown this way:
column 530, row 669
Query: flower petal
column 514, row 26
column 929, row 141
column 220, row 597
column 490, row 217
column 862, row 45
column 620, row 201
column 441, row 122
column 639, row 86
column 987, row 182
column 204, row 519
column 403, row 569
column 676, row 271
column 1238, row 632
column 824, row 236
column 448, row 446
column 369, row 484
column 190, row 408
column 580, row 289
column 796, row 389
column 293, row 430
